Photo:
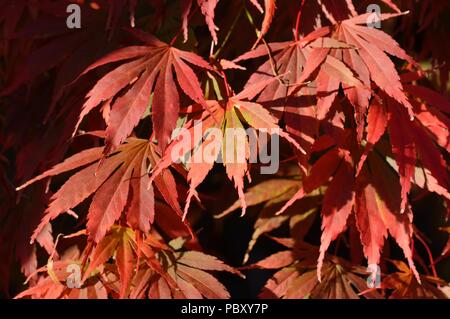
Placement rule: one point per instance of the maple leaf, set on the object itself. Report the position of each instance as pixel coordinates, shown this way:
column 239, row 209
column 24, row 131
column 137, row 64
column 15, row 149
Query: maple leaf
column 150, row 71
column 417, row 157
column 376, row 126
column 360, row 48
column 339, row 202
column 369, row 60
column 405, row 285
column 365, row 56
column 116, row 8
column 272, row 190
column 337, row 206
column 269, row 8
column 119, row 243
column 273, row 193
column 52, row 285
column 297, row 278
column 207, row 8
column 430, row 108
column 290, row 59
column 182, row 274
column 119, row 180
column 139, row 265
column 232, row 114
column 410, row 141
column 308, row 68
column 311, row 66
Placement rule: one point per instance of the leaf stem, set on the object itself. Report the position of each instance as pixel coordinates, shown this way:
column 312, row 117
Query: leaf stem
column 230, row 31
column 297, row 22
column 430, row 255
column 174, row 39
column 227, row 86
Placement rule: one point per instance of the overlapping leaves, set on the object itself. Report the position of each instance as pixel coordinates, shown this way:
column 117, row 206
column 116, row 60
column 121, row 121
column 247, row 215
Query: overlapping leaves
column 120, row 184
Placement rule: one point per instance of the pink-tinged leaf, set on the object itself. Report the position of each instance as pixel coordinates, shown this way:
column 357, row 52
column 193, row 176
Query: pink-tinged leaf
column 446, row 249
column 434, row 122
column 128, row 110
column 165, row 183
column 277, row 286
column 320, row 173
column 205, row 283
column 403, row 147
column 76, row 189
column 255, row 115
column 269, row 8
column 317, row 57
column 370, row 49
column 235, row 166
column 102, row 253
column 435, row 168
column 377, row 121
column 125, row 264
column 429, row 96
column 322, row 170
column 276, row 261
column 327, row 90
column 108, row 204
column 358, row 96
column 192, row 58
column 141, row 211
column 150, row 71
column 337, row 206
column 159, row 289
column 383, row 41
column 261, row 50
column 188, row 81
column 332, row 73
column 263, row 192
column 207, row 7
column 369, row 221
column 80, row 159
column 253, row 89
column 230, row 65
column 165, row 105
column 388, row 197
column 402, row 235
column 199, row 260
column 185, row 9
column 336, row 69
column 197, row 173
column 45, row 239
column 126, row 53
column 115, row 181
column 110, row 84
column 257, row 5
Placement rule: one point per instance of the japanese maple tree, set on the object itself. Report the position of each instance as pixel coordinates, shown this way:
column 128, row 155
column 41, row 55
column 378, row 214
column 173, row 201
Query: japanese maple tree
column 119, row 178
